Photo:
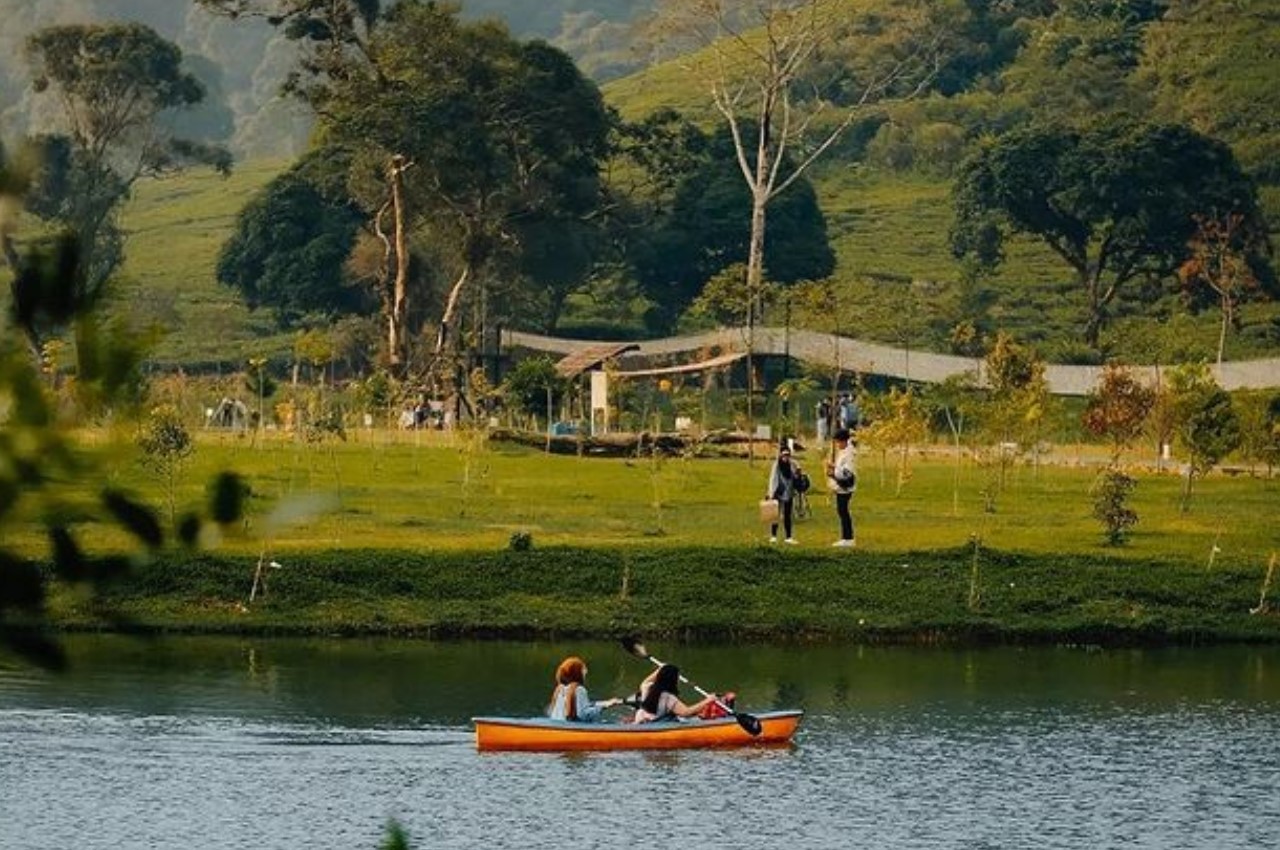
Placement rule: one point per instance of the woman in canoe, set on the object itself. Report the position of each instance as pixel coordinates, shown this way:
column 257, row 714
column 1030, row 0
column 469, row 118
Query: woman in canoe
column 570, row 700
column 660, row 697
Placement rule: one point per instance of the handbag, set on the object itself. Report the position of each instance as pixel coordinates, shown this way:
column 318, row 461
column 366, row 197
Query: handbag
column 769, row 511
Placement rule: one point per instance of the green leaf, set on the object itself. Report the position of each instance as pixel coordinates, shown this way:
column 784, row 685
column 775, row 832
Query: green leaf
column 68, row 559
column 137, row 518
column 189, row 530
column 227, row 494
column 21, row 584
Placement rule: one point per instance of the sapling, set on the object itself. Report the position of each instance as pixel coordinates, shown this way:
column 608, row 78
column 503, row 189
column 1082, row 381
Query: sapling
column 975, row 596
column 1263, row 605
column 166, row 446
column 1214, row 551
column 1110, row 505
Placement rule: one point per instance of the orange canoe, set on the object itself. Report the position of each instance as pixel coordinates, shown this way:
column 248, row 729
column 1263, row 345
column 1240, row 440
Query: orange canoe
column 540, row 734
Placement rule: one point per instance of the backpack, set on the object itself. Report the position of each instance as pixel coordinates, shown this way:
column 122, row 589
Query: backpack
column 803, row 483
column 714, row 711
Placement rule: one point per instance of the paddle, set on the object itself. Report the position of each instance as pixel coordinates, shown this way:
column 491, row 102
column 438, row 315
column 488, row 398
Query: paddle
column 749, row 722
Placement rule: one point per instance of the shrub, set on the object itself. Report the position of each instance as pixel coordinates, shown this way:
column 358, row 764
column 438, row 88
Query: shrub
column 1110, row 505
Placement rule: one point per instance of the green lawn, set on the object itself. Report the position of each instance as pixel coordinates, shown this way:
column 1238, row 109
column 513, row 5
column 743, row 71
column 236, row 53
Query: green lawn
column 430, row 492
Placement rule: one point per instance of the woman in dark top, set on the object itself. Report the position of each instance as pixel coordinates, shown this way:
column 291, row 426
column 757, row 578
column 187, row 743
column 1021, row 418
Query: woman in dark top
column 782, row 486
column 660, row 697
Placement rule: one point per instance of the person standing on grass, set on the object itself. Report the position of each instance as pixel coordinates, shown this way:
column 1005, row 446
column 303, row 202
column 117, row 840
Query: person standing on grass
column 842, row 479
column 782, row 486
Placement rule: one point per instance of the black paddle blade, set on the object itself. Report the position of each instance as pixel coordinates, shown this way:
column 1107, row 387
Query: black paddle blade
column 634, row 646
column 750, row 724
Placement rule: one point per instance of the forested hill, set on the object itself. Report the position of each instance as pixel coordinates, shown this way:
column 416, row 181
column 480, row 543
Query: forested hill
column 244, row 63
column 885, row 191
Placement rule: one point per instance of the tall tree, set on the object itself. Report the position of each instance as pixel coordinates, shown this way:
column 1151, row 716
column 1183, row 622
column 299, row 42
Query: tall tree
column 1115, row 202
column 469, row 133
column 112, row 84
column 708, row 229
column 291, row 243
column 754, row 55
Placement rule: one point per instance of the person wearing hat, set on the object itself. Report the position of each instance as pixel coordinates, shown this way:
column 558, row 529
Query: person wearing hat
column 842, row 479
column 782, row 486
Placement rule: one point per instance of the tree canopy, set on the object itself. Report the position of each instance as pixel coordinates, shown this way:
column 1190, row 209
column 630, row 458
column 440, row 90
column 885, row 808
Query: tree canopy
column 708, row 229
column 1115, row 202
column 291, row 243
column 461, row 137
column 111, row 84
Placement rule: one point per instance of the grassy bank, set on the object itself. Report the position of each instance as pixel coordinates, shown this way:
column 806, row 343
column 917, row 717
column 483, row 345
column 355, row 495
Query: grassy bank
column 962, row 595
column 410, row 533
column 443, row 492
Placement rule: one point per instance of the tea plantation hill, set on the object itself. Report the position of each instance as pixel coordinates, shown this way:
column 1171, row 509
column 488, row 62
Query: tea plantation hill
column 1209, row 64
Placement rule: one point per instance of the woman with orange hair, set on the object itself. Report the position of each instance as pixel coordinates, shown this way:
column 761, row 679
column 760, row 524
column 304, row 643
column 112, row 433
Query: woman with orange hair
column 570, row 700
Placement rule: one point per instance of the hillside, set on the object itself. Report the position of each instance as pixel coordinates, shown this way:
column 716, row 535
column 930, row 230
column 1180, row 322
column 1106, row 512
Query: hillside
column 1211, row 64
column 887, row 231
column 244, row 63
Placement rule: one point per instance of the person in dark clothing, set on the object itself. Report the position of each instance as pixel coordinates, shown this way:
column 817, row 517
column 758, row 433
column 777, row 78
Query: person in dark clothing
column 782, row 486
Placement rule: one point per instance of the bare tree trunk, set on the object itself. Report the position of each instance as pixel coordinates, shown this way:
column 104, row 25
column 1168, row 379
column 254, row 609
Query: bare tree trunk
column 755, row 280
column 1222, row 332
column 398, row 308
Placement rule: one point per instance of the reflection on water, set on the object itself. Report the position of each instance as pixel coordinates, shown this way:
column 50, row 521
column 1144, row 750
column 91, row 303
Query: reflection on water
column 229, row 743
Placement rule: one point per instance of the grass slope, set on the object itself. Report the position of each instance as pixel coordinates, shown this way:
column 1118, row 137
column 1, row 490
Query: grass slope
column 1209, row 65
column 175, row 228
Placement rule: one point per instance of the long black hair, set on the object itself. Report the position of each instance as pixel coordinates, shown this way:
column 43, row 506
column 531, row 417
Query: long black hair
column 666, row 682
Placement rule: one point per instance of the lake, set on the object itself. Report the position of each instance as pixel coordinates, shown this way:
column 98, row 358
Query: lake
column 259, row 743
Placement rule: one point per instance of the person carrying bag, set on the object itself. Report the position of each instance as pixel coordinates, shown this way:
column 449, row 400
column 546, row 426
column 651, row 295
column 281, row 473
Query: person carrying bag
column 783, row 477
column 842, row 479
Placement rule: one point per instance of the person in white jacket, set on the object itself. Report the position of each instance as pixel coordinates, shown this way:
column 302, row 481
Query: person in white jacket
column 842, row 479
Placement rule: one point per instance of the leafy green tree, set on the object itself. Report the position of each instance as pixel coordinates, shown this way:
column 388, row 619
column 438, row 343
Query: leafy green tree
column 1015, row 406
column 1260, row 428
column 1205, row 423
column 291, row 242
column 261, row 386
column 533, row 386
column 1115, row 202
column 1118, row 408
column 708, row 230
column 1112, row 491
column 112, row 85
column 456, row 128
column 166, row 446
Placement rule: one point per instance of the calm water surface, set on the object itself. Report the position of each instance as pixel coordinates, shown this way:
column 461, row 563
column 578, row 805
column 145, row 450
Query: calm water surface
column 232, row 743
